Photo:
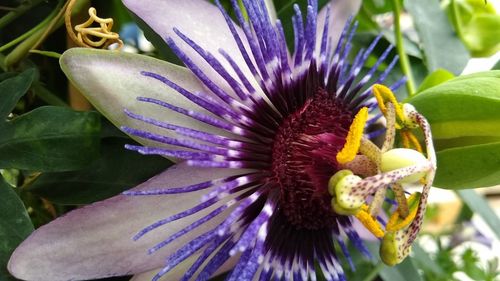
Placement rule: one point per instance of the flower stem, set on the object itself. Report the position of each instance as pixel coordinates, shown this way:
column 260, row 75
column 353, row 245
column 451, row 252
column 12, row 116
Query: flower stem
column 455, row 14
column 22, row 49
column 374, row 273
column 20, row 10
column 403, row 57
column 28, row 34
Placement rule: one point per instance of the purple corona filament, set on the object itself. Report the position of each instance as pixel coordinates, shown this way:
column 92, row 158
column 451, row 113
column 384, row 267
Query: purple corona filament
column 283, row 128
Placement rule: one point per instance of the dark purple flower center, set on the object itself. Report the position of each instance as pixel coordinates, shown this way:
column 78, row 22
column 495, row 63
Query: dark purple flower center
column 304, row 152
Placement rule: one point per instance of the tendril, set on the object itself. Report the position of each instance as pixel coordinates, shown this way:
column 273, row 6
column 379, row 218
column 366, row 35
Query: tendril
column 91, row 36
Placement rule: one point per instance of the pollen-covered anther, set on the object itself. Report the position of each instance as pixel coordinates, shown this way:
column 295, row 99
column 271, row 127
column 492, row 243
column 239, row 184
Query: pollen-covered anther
column 396, row 222
column 384, row 95
column 353, row 140
column 369, row 222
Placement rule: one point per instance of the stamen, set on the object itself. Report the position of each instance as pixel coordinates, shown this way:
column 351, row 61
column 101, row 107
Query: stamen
column 390, row 133
column 370, row 150
column 377, row 201
column 369, row 222
column 353, row 139
column 395, row 223
column 383, row 95
column 410, row 140
column 399, row 193
column 405, row 139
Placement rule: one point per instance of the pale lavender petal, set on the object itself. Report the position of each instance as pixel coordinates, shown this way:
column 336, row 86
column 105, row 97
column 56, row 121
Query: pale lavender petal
column 175, row 274
column 180, row 270
column 199, row 20
column 96, row 241
column 112, row 81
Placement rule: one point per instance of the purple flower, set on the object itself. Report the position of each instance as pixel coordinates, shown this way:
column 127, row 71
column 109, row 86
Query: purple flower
column 272, row 165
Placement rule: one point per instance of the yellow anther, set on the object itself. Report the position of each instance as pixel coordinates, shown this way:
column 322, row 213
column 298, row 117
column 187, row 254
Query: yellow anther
column 395, row 222
column 410, row 140
column 405, row 139
column 86, row 34
column 383, row 95
column 354, row 136
column 369, row 222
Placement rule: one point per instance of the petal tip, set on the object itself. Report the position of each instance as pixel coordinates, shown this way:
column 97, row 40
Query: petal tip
column 19, row 263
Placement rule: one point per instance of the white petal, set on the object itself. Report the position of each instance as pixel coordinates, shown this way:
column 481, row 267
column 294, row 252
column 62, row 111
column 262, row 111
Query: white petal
column 200, row 21
column 181, row 269
column 96, row 241
column 271, row 10
column 174, row 274
column 112, row 81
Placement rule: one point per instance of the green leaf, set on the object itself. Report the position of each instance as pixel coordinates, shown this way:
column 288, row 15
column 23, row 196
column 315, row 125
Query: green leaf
column 106, row 177
column 435, row 78
column 471, row 266
column 424, row 261
column 411, row 48
column 441, row 46
column 7, row 75
column 481, row 207
column 466, row 106
column 465, row 122
column 12, row 89
column 15, row 225
column 497, row 65
column 50, row 138
column 468, row 166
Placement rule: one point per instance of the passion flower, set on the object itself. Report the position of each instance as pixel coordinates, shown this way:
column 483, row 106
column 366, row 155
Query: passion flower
column 274, row 164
